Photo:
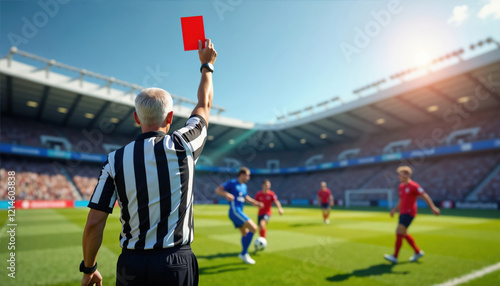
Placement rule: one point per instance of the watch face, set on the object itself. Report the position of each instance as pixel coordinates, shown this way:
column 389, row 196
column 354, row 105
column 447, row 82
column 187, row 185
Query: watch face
column 209, row 66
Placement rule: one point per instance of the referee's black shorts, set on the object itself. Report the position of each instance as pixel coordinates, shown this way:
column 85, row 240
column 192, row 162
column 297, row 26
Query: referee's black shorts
column 169, row 266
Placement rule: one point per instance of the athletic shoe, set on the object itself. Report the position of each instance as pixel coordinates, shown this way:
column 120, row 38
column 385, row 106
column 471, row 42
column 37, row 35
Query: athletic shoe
column 246, row 258
column 327, row 221
column 391, row 258
column 416, row 256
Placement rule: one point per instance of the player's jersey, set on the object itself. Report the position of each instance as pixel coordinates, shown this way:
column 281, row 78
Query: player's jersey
column 239, row 191
column 408, row 197
column 267, row 199
column 324, row 195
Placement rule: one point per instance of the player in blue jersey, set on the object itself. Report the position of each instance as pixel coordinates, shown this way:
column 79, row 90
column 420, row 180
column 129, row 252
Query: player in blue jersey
column 235, row 191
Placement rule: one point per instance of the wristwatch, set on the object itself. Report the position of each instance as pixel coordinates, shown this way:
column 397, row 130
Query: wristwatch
column 209, row 66
column 87, row 270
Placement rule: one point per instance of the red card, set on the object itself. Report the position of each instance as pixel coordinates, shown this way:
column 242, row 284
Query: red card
column 192, row 31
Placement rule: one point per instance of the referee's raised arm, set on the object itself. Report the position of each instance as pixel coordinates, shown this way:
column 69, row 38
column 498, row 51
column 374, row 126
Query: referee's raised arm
column 206, row 88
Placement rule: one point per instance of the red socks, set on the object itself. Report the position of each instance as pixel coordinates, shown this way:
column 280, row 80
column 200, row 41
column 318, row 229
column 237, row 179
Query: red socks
column 411, row 241
column 399, row 242
column 262, row 232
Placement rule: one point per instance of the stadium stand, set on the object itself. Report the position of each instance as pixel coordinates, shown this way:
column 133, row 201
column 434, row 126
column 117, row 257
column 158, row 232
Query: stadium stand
column 491, row 191
column 36, row 180
column 420, row 136
column 446, row 178
column 24, row 132
column 19, row 131
column 84, row 177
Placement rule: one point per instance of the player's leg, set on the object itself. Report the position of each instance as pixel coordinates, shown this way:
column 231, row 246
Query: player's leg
column 243, row 230
column 251, row 228
column 404, row 222
column 262, row 225
column 322, row 211
column 411, row 241
column 247, row 230
column 400, row 234
column 327, row 214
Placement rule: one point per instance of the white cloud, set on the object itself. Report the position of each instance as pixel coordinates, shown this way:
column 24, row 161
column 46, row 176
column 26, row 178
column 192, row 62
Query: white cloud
column 459, row 15
column 490, row 9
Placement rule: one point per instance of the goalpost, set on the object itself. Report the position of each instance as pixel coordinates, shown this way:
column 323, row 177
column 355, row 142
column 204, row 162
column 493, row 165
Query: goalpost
column 349, row 201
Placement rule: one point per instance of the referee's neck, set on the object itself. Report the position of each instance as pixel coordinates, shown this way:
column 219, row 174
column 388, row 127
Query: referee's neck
column 146, row 129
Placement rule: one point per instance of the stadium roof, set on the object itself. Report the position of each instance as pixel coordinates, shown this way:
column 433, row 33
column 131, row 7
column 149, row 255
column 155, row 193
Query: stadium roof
column 85, row 100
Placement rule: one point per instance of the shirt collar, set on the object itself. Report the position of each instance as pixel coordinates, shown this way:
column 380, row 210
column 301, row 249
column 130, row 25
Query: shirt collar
column 150, row 134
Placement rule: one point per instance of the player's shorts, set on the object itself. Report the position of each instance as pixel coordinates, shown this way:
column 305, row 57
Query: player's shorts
column 406, row 219
column 325, row 205
column 237, row 217
column 265, row 217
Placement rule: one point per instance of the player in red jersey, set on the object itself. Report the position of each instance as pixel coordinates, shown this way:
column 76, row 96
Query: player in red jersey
column 325, row 200
column 267, row 197
column 409, row 190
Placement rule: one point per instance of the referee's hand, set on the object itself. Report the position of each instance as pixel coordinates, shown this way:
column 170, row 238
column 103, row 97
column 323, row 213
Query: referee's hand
column 208, row 54
column 92, row 279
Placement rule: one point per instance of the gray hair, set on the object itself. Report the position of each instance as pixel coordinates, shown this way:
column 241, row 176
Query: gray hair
column 152, row 105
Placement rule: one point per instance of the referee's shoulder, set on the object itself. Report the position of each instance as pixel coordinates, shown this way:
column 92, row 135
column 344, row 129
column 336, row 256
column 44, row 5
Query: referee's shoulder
column 113, row 153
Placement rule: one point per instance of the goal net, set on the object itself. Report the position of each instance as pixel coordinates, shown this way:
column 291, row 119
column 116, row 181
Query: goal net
column 365, row 197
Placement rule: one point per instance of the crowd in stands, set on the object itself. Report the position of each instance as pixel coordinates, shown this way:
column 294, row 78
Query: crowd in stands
column 445, row 178
column 24, row 132
column 421, row 137
column 36, row 180
column 85, row 178
column 27, row 132
column 491, row 191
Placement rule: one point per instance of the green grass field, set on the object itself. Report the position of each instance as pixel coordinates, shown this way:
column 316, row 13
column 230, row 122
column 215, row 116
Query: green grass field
column 301, row 250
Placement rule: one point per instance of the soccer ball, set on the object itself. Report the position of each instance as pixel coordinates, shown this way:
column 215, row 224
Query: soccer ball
column 260, row 244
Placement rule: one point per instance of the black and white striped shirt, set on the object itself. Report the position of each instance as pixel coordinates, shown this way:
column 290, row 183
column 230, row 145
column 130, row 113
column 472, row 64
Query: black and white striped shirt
column 152, row 179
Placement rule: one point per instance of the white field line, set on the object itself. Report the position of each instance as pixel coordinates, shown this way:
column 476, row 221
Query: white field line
column 471, row 276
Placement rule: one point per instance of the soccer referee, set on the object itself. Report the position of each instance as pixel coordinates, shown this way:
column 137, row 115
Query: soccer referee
column 152, row 179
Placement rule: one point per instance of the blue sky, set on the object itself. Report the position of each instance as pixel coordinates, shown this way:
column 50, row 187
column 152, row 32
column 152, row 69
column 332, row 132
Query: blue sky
column 275, row 57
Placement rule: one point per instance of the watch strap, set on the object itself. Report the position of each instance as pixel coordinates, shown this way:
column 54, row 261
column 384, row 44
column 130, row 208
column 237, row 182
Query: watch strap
column 87, row 270
column 209, row 67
